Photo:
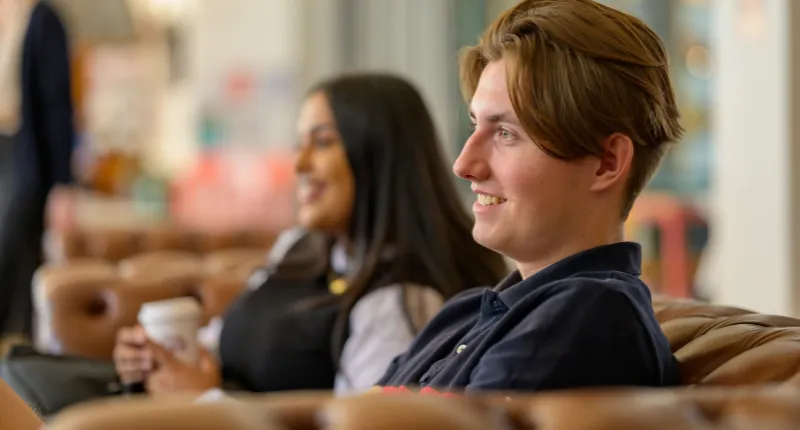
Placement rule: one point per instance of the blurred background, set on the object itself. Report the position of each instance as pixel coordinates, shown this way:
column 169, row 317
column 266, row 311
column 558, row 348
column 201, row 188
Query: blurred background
column 188, row 106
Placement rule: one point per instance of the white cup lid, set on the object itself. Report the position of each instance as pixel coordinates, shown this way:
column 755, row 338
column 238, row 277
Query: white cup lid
column 170, row 309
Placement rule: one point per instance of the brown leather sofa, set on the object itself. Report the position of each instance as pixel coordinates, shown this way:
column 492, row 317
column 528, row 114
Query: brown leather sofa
column 115, row 245
column 740, row 368
column 721, row 345
column 16, row 415
column 757, row 408
column 716, row 345
column 80, row 305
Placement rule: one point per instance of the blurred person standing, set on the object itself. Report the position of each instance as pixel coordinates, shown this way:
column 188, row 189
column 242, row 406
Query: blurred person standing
column 36, row 142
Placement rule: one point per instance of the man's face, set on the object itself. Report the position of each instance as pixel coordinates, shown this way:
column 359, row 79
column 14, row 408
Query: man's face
column 527, row 202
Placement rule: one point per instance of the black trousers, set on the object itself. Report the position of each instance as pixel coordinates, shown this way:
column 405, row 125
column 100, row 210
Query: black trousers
column 22, row 212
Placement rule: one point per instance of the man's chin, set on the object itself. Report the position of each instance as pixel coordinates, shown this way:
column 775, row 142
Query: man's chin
column 484, row 236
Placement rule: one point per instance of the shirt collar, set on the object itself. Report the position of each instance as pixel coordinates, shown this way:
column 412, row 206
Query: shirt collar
column 623, row 257
column 341, row 264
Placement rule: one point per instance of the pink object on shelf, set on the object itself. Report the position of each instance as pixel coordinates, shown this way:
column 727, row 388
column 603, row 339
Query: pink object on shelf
column 244, row 190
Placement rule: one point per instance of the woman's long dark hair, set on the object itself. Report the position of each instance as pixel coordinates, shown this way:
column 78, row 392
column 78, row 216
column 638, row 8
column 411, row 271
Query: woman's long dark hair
column 406, row 201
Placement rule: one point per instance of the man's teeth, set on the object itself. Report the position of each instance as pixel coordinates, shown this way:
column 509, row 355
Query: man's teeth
column 485, row 200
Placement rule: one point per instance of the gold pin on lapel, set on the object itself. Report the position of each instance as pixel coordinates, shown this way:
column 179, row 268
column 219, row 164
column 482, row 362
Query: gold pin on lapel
column 337, row 286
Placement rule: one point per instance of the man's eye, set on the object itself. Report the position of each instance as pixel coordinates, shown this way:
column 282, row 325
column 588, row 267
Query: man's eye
column 505, row 134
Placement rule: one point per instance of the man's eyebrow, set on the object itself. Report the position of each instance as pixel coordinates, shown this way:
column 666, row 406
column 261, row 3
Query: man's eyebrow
column 498, row 117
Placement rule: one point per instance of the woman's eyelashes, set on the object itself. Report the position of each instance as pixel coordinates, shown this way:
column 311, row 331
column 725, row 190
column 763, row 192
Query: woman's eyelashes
column 323, row 142
column 317, row 142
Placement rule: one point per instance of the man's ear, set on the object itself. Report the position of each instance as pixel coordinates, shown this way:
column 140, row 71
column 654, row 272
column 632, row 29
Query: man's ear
column 614, row 163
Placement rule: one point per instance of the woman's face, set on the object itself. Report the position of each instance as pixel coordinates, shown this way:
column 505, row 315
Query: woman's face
column 6, row 11
column 326, row 187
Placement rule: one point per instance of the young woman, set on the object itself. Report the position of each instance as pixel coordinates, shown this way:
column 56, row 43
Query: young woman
column 383, row 241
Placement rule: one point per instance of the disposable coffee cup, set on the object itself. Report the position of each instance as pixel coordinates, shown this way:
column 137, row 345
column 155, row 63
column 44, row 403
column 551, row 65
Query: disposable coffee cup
column 173, row 324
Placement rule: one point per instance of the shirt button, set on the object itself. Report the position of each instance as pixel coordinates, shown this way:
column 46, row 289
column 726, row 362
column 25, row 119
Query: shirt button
column 460, row 348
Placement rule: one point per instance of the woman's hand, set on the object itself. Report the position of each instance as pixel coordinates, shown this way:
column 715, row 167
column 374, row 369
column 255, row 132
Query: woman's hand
column 377, row 389
column 132, row 358
column 172, row 375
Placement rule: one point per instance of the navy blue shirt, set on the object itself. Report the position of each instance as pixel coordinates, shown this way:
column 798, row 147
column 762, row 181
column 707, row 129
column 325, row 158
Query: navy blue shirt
column 584, row 321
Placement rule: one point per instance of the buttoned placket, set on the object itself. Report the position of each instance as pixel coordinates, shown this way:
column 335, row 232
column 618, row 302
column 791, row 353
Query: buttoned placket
column 492, row 308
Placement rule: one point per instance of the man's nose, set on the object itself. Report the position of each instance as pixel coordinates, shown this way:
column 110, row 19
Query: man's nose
column 471, row 163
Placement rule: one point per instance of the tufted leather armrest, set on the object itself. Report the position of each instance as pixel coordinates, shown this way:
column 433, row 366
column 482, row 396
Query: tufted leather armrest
column 170, row 414
column 16, row 415
column 81, row 305
column 719, row 345
column 678, row 409
column 115, row 245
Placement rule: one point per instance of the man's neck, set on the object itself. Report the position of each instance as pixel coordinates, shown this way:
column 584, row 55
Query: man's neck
column 530, row 267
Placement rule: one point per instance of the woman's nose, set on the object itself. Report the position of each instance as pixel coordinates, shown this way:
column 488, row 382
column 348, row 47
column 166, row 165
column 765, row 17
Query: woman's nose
column 303, row 161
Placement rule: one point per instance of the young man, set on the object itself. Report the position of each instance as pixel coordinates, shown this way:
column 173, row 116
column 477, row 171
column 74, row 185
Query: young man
column 573, row 110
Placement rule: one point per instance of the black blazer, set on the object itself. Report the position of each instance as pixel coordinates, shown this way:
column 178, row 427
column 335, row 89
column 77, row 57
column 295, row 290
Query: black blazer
column 44, row 145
